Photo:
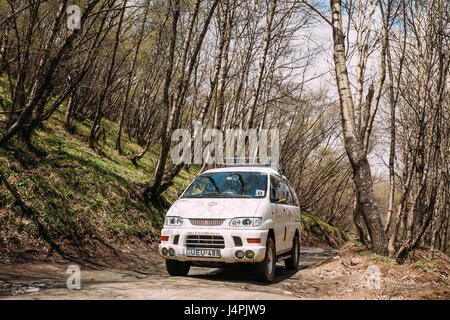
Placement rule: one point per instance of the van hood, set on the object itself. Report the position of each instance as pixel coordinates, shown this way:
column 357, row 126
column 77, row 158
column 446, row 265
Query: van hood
column 212, row 208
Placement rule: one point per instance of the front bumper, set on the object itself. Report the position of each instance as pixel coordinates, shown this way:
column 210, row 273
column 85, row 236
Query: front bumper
column 227, row 253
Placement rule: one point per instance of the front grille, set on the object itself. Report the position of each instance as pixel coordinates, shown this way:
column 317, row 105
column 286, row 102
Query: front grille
column 207, row 222
column 203, row 241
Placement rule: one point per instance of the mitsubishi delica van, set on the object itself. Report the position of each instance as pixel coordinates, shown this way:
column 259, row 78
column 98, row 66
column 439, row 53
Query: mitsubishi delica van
column 236, row 214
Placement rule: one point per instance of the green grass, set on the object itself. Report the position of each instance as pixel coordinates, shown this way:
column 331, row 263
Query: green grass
column 371, row 256
column 424, row 264
column 364, row 253
column 76, row 192
column 312, row 224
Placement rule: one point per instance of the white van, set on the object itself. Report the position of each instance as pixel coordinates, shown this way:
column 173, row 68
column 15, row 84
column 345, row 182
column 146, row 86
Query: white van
column 235, row 214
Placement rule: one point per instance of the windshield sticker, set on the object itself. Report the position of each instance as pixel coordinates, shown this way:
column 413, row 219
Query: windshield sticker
column 260, row 193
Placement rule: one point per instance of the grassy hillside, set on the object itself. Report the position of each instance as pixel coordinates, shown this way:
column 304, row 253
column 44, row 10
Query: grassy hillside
column 318, row 232
column 76, row 194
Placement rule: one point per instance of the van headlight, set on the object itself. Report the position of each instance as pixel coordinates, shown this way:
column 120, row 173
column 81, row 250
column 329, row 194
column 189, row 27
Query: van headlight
column 173, row 221
column 246, row 222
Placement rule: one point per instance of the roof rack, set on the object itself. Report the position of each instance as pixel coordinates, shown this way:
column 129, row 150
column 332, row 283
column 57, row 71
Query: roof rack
column 255, row 162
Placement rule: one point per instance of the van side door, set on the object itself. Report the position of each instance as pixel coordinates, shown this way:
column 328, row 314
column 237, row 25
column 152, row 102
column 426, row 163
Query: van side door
column 277, row 214
column 283, row 214
column 286, row 205
column 294, row 214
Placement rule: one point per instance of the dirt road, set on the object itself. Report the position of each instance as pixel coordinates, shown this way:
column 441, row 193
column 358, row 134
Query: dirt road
column 144, row 277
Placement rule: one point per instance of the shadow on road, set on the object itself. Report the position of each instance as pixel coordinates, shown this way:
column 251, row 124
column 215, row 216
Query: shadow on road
column 246, row 274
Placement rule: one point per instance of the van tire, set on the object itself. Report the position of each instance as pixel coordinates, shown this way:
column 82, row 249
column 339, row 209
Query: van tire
column 266, row 268
column 177, row 268
column 292, row 262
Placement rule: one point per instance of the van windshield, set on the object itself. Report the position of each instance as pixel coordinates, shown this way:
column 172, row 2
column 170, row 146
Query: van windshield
column 228, row 185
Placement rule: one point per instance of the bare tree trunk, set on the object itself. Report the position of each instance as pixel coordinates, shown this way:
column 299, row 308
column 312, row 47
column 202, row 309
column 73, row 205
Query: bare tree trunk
column 165, row 143
column 262, row 62
column 227, row 21
column 99, row 113
column 353, row 145
column 393, row 99
column 174, row 107
column 360, row 224
column 130, row 78
column 69, row 111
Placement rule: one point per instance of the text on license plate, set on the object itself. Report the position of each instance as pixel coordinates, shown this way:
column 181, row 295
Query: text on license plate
column 201, row 252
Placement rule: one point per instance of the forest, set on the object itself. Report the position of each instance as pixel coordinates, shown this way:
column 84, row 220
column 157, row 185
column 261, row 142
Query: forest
column 358, row 89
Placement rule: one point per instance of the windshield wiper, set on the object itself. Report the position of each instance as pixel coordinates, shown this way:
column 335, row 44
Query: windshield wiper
column 241, row 196
column 205, row 194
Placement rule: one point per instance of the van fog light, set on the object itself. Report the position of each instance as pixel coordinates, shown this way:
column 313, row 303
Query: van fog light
column 249, row 254
column 171, row 252
column 239, row 254
column 164, row 251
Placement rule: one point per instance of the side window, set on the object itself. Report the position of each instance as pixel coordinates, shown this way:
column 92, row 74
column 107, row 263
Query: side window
column 280, row 187
column 273, row 188
column 294, row 197
column 284, row 188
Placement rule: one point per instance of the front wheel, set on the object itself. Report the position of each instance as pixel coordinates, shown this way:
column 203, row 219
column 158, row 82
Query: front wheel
column 177, row 268
column 266, row 268
column 292, row 262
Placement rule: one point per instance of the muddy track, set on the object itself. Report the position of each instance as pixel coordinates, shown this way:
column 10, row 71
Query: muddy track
column 144, row 277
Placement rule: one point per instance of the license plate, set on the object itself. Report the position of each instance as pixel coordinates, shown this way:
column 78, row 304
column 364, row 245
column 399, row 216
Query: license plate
column 201, row 252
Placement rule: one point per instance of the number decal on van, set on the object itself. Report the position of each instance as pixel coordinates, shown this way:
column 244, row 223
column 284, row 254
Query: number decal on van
column 260, row 193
